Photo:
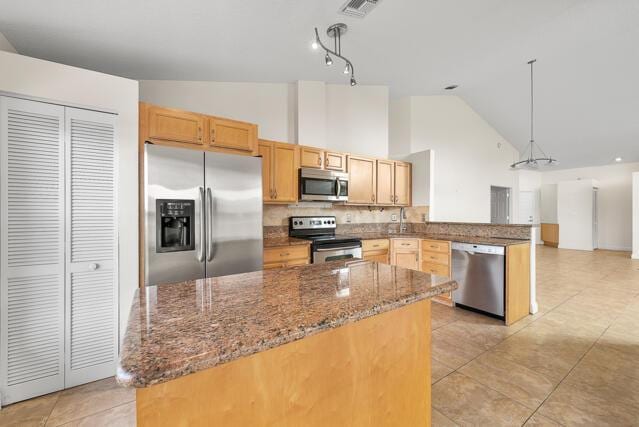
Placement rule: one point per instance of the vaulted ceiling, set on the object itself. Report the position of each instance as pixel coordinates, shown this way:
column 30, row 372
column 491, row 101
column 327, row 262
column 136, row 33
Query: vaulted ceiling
column 587, row 90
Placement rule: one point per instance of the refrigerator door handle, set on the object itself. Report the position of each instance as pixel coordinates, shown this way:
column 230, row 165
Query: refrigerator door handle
column 200, row 253
column 209, row 224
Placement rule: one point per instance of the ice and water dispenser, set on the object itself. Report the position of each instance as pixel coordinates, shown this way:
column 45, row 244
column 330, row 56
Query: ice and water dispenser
column 175, row 224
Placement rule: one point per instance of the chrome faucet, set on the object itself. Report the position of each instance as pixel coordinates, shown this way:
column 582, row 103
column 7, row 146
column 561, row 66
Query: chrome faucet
column 402, row 217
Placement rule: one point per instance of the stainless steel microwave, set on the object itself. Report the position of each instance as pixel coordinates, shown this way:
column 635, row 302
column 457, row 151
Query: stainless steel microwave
column 323, row 185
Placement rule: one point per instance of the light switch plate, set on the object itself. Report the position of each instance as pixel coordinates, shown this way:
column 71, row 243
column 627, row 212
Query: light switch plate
column 394, row 217
column 348, row 218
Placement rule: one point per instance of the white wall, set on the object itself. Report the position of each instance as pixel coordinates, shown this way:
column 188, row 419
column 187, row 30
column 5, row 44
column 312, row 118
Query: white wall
column 311, row 114
column 357, row 119
column 635, row 215
column 470, row 155
column 614, row 200
column 74, row 86
column 574, row 211
column 5, row 45
column 548, row 206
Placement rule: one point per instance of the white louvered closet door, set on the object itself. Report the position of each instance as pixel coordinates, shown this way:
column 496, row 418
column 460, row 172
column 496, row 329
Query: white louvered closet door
column 31, row 249
column 91, row 291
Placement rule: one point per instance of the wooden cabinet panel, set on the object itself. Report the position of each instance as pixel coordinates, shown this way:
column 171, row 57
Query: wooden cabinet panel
column 233, row 135
column 335, row 161
column 362, row 180
column 405, row 244
column 265, row 150
column 550, row 234
column 286, row 253
column 385, row 182
column 279, row 171
column 402, row 184
column 435, row 246
column 437, row 269
column 284, row 171
column 435, row 257
column 517, row 282
column 383, row 258
column 375, row 245
column 406, row 258
column 311, row 157
column 174, row 125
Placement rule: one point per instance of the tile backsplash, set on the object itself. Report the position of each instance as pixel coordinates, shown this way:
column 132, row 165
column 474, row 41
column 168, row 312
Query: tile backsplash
column 277, row 215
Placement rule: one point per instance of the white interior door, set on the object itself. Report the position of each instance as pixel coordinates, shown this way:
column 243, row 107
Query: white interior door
column 499, row 205
column 528, row 207
column 91, row 264
column 32, row 249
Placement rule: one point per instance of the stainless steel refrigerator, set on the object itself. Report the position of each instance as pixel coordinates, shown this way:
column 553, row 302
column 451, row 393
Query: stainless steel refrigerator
column 203, row 214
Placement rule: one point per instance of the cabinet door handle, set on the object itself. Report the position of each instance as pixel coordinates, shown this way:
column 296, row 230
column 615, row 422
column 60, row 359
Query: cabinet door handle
column 275, row 192
column 213, row 135
column 199, row 133
column 376, row 246
column 93, row 266
column 373, row 198
column 285, row 254
column 319, row 161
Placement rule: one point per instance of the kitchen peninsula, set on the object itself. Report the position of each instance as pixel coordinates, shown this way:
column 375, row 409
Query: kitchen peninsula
column 339, row 343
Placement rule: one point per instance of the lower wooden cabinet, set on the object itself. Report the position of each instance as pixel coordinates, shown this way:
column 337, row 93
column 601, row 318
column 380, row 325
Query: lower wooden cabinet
column 286, row 256
column 376, row 250
column 550, row 234
column 436, row 259
column 405, row 253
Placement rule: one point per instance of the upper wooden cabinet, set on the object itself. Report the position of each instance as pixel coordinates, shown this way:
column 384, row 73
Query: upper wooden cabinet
column 279, row 171
column 174, row 127
column 362, row 178
column 402, row 184
column 335, row 161
column 311, row 157
column 233, row 135
column 385, row 182
column 168, row 124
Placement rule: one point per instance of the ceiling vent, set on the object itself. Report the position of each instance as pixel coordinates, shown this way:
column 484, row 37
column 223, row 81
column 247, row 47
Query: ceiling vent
column 358, row 8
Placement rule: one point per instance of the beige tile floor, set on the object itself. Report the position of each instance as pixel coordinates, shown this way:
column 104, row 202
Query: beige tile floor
column 576, row 362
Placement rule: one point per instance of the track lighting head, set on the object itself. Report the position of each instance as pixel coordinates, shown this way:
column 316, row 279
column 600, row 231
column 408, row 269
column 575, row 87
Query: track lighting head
column 328, row 60
column 315, row 45
column 353, row 81
column 347, row 69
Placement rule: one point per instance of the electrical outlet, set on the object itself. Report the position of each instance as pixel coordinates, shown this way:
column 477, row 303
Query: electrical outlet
column 394, row 217
column 348, row 218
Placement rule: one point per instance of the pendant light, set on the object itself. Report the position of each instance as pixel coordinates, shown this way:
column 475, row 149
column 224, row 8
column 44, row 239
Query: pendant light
column 535, row 156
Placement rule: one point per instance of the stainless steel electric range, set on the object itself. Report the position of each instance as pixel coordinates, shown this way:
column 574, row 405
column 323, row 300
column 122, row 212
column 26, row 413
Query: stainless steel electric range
column 326, row 245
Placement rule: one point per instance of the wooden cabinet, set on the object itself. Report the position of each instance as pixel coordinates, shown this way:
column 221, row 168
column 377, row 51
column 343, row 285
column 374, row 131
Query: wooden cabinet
column 517, row 282
column 550, row 234
column 279, row 171
column 178, row 128
column 402, row 184
column 167, row 124
column 405, row 253
column 385, row 182
column 311, row 157
column 436, row 259
column 335, row 161
column 233, row 135
column 376, row 250
column 362, row 180
column 286, row 256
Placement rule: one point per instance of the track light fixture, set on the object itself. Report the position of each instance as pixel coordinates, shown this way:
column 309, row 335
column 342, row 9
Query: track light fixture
column 335, row 31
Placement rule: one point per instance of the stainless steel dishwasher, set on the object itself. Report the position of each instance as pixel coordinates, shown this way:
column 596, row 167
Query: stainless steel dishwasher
column 479, row 272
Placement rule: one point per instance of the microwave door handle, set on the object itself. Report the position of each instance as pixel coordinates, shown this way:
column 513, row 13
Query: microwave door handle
column 209, row 224
column 338, row 187
column 200, row 253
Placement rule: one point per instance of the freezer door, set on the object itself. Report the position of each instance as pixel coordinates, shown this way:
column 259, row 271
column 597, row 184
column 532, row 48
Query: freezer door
column 173, row 207
column 234, row 214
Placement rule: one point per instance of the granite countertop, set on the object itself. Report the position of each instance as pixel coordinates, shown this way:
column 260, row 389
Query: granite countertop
column 178, row 329
column 453, row 238
column 275, row 242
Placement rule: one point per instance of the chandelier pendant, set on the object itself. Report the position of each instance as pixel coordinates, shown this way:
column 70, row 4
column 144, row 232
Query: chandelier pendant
column 535, row 155
column 335, row 31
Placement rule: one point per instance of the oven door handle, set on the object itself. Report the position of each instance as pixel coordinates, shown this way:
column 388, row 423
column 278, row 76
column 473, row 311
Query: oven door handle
column 343, row 248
